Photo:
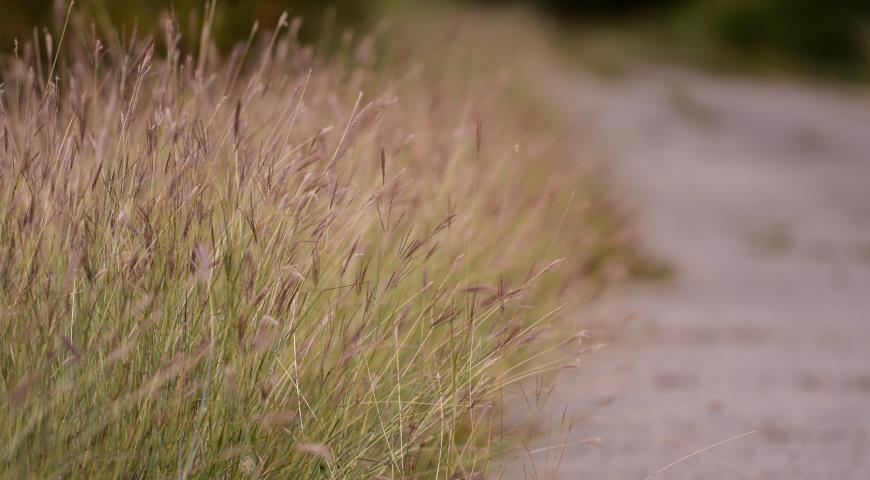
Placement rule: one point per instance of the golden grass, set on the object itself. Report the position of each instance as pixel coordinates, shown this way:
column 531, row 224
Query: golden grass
column 247, row 268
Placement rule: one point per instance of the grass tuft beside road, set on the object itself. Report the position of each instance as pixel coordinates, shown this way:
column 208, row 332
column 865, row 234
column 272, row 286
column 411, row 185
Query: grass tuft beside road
column 277, row 264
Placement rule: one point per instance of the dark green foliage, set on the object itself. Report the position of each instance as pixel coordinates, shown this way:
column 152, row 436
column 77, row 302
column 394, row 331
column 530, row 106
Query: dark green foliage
column 592, row 9
column 811, row 34
column 817, row 31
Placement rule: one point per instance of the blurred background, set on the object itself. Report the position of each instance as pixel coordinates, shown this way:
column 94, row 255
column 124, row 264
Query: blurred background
column 809, row 36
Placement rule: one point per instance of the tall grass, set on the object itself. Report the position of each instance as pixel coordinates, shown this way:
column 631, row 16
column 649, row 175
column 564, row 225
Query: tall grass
column 247, row 268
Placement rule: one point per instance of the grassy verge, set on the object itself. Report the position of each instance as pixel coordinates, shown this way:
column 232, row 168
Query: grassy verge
column 276, row 264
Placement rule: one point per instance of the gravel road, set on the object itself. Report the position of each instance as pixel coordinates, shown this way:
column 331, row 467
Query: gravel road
column 758, row 194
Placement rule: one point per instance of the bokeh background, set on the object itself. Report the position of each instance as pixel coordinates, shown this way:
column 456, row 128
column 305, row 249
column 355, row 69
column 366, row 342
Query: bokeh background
column 817, row 36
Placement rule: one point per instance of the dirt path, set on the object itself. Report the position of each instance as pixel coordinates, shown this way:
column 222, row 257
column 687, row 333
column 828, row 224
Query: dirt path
column 758, row 193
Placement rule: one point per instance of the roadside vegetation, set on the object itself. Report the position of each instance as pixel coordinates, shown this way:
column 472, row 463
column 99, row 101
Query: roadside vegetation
column 278, row 262
column 813, row 38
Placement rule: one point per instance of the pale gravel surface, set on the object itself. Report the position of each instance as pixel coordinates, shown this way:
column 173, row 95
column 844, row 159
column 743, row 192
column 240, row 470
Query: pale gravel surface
column 758, row 193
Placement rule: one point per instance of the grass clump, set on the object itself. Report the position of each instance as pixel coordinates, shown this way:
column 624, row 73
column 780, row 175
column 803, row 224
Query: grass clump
column 247, row 268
